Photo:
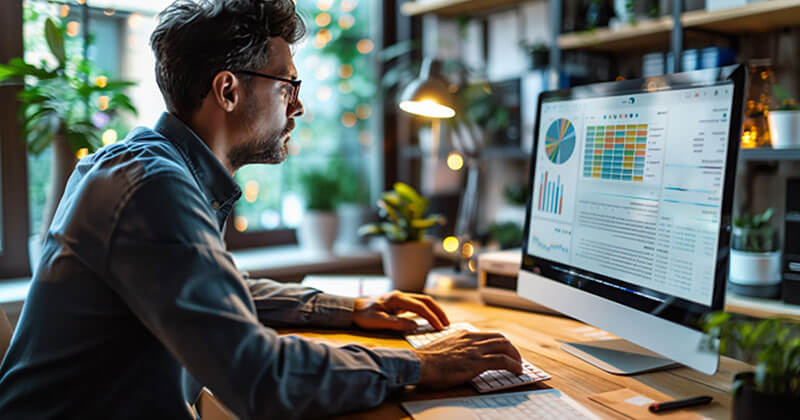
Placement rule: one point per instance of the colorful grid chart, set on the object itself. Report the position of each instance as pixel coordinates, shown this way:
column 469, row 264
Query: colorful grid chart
column 615, row 152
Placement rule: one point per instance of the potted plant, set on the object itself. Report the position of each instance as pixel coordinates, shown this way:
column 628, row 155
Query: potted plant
column 538, row 54
column 408, row 257
column 318, row 228
column 755, row 266
column 67, row 104
column 353, row 210
column 784, row 122
column 772, row 389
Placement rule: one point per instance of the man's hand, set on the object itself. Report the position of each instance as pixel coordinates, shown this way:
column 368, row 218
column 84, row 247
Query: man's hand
column 461, row 356
column 381, row 313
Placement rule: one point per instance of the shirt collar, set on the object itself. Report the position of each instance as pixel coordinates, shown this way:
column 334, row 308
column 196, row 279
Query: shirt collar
column 217, row 184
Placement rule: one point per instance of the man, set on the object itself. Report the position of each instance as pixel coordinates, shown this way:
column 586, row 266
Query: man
column 136, row 301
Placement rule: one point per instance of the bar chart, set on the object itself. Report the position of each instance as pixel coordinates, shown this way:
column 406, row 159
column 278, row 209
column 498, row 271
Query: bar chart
column 551, row 194
column 616, row 152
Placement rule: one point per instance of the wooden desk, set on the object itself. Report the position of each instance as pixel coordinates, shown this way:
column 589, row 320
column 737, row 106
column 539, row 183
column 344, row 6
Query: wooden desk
column 537, row 337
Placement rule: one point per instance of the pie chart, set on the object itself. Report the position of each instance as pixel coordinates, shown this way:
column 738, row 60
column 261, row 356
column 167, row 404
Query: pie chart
column 560, row 141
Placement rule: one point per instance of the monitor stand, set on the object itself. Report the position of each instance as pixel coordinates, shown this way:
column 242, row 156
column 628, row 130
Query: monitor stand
column 619, row 357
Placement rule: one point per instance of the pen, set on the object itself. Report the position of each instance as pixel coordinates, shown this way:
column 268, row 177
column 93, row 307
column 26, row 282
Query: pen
column 673, row 405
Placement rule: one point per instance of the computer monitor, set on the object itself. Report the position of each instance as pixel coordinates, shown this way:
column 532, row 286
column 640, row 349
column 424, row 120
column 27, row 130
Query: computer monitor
column 628, row 225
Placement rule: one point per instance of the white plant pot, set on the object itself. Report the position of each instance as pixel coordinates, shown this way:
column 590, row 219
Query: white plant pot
column 352, row 217
column 755, row 268
column 407, row 264
column 317, row 230
column 784, row 129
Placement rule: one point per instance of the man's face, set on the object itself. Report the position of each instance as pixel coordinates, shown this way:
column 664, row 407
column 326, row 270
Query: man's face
column 268, row 113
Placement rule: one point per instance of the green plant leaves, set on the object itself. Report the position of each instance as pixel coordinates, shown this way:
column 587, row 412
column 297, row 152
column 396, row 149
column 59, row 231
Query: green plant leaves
column 403, row 209
column 55, row 41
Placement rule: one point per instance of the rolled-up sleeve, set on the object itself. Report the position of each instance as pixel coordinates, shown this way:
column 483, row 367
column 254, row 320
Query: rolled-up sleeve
column 286, row 304
column 167, row 262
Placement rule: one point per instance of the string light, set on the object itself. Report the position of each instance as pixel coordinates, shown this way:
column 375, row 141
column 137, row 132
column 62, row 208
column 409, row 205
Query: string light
column 349, row 119
column 450, row 244
column 345, row 71
column 81, row 1
column 251, row 191
column 322, row 72
column 471, row 265
column 109, row 137
column 82, row 153
column 102, row 102
column 109, row 12
column 346, row 21
column 323, row 19
column 318, row 43
column 363, row 111
column 365, row 46
column 240, row 223
column 64, row 11
column 73, row 28
column 325, row 35
column 345, row 87
column 101, row 81
column 348, row 5
column 324, row 93
column 455, row 161
column 324, row 4
column 467, row 250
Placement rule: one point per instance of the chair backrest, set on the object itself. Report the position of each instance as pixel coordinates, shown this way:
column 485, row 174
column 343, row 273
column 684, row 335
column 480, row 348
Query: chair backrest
column 5, row 333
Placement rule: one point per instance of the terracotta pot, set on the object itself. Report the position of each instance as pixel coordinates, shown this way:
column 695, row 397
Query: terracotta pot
column 63, row 163
column 407, row 264
column 317, row 230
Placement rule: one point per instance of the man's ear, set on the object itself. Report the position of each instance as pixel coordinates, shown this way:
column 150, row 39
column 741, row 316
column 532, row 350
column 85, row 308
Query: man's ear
column 225, row 88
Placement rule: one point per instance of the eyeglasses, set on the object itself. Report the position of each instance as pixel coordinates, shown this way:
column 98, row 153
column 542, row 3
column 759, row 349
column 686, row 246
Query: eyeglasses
column 295, row 83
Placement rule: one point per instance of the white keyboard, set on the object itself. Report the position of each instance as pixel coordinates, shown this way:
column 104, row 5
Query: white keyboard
column 491, row 380
column 545, row 404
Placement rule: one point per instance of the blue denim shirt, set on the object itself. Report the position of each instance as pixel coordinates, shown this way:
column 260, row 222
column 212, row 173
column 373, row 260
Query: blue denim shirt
column 135, row 295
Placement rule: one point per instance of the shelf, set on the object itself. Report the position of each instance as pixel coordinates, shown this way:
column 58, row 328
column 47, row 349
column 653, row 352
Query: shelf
column 754, row 17
column 455, row 7
column 768, row 154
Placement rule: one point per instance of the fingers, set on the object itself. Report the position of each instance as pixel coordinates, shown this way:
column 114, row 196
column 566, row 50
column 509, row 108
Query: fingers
column 433, row 306
column 400, row 302
column 499, row 346
column 501, row 361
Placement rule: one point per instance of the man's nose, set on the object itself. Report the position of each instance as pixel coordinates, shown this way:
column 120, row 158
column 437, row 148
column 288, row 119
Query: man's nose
column 296, row 110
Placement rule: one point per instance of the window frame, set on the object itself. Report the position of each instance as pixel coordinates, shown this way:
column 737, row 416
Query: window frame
column 14, row 261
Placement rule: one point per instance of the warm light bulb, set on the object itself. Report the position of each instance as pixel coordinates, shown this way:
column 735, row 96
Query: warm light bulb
column 81, row 153
column 364, row 46
column 101, row 81
column 450, row 244
column 251, row 191
column 109, row 137
column 346, row 21
column 467, row 250
column 427, row 108
column 455, row 161
column 323, row 19
column 348, row 119
column 240, row 223
column 102, row 102
column 73, row 28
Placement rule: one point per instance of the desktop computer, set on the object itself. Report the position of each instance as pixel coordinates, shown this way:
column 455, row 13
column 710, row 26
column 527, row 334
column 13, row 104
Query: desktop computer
column 628, row 225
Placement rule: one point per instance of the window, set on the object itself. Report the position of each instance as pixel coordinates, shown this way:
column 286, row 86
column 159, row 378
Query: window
column 334, row 62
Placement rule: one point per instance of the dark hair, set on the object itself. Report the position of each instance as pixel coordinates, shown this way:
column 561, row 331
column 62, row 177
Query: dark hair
column 195, row 40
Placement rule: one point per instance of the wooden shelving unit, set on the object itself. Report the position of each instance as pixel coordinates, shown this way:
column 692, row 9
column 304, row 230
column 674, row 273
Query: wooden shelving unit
column 754, row 17
column 455, row 7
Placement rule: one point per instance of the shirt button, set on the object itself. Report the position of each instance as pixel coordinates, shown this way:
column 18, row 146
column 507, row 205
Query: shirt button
column 215, row 205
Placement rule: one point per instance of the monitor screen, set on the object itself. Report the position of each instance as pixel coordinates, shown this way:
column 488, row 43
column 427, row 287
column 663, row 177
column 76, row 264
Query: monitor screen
column 628, row 189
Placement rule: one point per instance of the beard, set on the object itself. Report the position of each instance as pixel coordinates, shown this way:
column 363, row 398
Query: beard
column 271, row 148
column 260, row 148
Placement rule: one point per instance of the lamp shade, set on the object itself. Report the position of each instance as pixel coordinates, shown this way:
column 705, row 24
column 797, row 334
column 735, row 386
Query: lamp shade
column 428, row 95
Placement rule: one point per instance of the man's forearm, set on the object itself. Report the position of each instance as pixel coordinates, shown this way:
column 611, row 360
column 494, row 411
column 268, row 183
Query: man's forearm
column 287, row 304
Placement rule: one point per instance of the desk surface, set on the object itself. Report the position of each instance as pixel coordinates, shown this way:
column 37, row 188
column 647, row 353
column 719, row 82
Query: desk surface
column 537, row 336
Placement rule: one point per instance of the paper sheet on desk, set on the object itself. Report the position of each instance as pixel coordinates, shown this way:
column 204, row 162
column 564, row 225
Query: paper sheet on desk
column 350, row 286
column 633, row 405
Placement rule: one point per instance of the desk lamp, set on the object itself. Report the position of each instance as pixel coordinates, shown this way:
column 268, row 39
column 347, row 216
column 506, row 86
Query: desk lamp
column 428, row 96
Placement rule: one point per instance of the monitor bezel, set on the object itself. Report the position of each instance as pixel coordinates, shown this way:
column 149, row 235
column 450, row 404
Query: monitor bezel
column 678, row 310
